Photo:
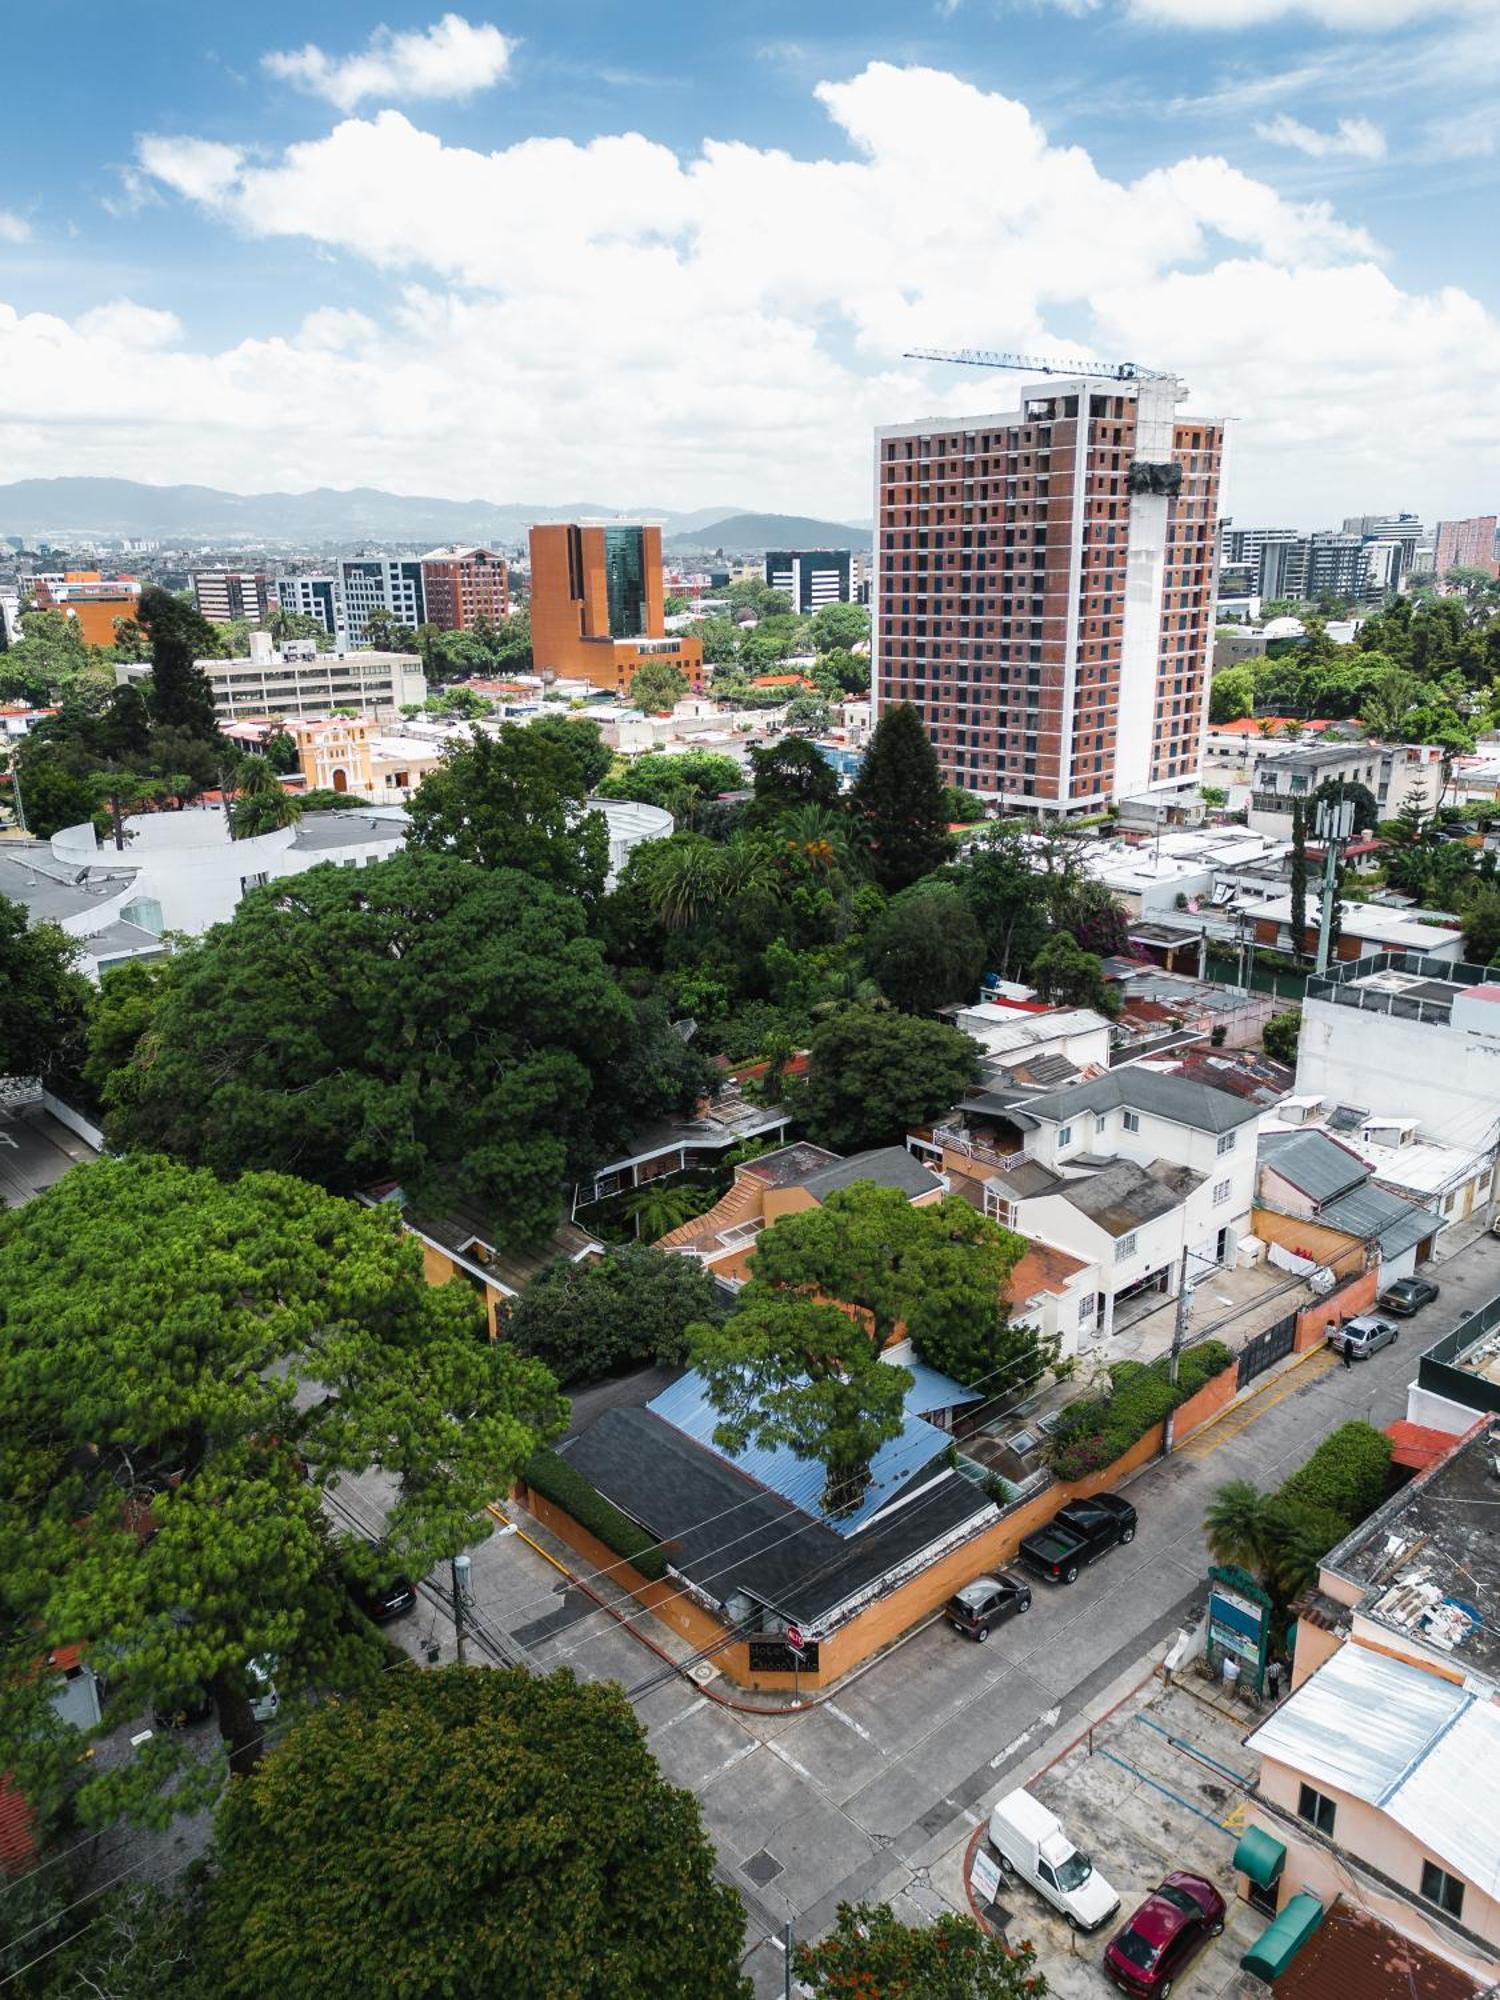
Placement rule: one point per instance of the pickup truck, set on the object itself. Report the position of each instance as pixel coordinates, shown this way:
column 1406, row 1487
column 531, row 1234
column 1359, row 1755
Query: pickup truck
column 1077, row 1535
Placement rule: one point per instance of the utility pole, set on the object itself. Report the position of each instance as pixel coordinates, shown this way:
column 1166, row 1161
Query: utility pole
column 459, row 1570
column 786, row 1940
column 1179, row 1334
column 1334, row 824
column 15, row 792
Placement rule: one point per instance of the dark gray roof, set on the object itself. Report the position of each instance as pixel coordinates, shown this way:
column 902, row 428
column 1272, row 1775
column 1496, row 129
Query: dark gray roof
column 791, row 1166
column 1373, row 1215
column 1311, row 1161
column 1160, row 1095
column 886, row 1166
column 319, row 830
column 1121, row 1195
column 52, row 891
column 779, row 1555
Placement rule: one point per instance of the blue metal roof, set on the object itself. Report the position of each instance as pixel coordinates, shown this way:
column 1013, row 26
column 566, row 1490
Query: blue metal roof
column 684, row 1404
column 932, row 1390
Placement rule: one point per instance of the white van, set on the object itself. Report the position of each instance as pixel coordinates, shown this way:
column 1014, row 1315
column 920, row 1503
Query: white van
column 1032, row 1844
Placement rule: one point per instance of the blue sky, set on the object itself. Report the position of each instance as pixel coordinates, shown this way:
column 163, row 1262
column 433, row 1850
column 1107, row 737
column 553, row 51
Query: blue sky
column 668, row 255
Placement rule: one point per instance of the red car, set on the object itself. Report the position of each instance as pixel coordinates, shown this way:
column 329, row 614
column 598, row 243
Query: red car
column 1166, row 1933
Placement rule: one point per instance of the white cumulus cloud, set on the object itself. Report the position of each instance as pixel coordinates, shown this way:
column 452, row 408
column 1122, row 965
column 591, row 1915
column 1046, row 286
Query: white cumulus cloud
column 1351, row 16
column 452, row 58
column 553, row 319
column 13, row 228
column 201, row 169
column 1351, row 138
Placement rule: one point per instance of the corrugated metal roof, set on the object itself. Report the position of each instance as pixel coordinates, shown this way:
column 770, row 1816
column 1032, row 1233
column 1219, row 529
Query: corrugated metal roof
column 1418, row 1748
column 1171, row 1097
column 1360, row 1722
column 1370, row 1213
column 1313, row 1162
column 800, row 1481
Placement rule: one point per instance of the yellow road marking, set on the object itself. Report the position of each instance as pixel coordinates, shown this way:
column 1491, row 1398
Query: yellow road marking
column 1239, row 1417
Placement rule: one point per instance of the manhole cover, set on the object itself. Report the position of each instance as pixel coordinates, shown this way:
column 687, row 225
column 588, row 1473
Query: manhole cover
column 763, row 1868
column 998, row 1915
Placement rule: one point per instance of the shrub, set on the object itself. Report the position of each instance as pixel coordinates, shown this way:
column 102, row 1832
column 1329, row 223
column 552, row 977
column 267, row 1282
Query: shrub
column 552, row 1476
column 1346, row 1476
column 633, row 1306
column 1092, row 1435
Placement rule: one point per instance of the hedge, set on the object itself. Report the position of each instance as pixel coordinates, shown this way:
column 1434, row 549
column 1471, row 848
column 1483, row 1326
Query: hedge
column 551, row 1475
column 1347, row 1475
column 1091, row 1435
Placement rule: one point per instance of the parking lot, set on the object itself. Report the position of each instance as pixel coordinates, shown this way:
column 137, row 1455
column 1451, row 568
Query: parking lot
column 1157, row 1785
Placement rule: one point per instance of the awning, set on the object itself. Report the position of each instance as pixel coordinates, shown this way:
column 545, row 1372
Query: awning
column 1276, row 1947
column 1260, row 1857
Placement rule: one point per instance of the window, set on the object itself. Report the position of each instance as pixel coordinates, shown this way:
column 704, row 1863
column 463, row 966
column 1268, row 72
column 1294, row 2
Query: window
column 1315, row 1809
column 1222, row 1191
column 1124, row 1247
column 1088, row 1305
column 1443, row 1889
column 1101, row 1125
column 1131, row 1121
column 1065, row 1137
column 257, row 881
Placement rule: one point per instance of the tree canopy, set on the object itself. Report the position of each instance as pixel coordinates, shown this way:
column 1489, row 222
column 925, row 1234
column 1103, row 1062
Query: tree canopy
column 513, row 800
column 657, row 686
column 180, row 695
column 44, row 998
column 470, row 1832
column 420, row 1019
column 872, row 1076
column 157, row 1328
column 925, row 948
column 870, row 1955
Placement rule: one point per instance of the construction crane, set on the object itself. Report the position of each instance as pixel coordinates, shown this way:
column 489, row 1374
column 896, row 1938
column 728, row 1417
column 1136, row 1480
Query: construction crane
column 1032, row 364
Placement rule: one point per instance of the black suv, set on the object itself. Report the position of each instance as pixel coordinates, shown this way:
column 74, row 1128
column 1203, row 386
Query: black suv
column 987, row 1602
column 387, row 1594
column 1077, row 1535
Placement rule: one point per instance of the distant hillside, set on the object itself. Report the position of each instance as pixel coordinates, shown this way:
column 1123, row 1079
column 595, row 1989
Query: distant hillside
column 743, row 533
column 109, row 507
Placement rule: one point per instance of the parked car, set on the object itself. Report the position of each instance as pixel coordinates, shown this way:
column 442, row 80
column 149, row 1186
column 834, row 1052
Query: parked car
column 1031, row 1843
column 1077, row 1535
column 385, row 1598
column 987, row 1602
column 1166, row 1933
column 1362, row 1336
column 1406, row 1296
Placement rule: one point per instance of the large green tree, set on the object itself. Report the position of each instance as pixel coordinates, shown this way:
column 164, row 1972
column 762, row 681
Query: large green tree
column 420, row 1018
column 1064, row 972
column 790, row 773
column 800, row 1372
column 470, row 1832
column 44, row 998
column 583, row 744
column 870, row 1955
column 513, row 800
column 176, row 1355
column 925, row 948
column 657, row 686
column 937, row 1273
column 872, row 1076
column 836, row 627
column 634, row 1304
column 180, row 693
column 898, row 800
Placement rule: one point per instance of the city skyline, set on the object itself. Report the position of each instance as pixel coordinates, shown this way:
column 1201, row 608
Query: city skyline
column 486, row 254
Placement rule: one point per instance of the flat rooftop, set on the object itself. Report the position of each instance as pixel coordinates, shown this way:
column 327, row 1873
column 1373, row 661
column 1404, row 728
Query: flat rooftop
column 35, row 1151
column 1428, row 1561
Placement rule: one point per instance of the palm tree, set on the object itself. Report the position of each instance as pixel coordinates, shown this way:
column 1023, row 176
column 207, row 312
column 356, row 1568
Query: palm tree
column 656, row 1210
column 683, row 878
column 745, row 867
column 262, row 804
column 822, row 835
column 1296, row 1541
column 1239, row 1524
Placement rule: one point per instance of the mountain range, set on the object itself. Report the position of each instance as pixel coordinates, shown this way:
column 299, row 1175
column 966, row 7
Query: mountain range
column 92, row 507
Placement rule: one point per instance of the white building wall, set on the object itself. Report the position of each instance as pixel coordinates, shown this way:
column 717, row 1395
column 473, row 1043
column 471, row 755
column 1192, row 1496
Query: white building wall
column 1448, row 1078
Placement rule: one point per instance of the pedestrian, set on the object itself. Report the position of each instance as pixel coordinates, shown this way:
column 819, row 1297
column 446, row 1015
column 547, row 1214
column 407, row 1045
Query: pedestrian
column 1346, row 1348
column 1273, row 1680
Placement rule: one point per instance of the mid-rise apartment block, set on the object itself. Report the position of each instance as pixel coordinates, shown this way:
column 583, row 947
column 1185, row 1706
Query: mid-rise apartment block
column 811, row 578
column 223, row 595
column 464, row 585
column 342, row 599
column 1466, row 545
column 318, row 597
column 298, row 681
column 95, row 603
column 597, row 607
column 1044, row 593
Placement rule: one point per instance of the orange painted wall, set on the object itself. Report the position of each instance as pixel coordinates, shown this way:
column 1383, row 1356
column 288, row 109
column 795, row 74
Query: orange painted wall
column 1356, row 1297
column 1203, row 1407
column 570, row 609
column 95, row 616
column 439, row 1269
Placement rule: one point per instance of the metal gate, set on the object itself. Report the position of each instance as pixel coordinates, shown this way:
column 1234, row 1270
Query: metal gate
column 1266, row 1349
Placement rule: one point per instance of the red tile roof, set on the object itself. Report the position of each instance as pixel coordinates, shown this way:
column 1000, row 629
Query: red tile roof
column 1353, row 1956
column 1042, row 1269
column 1417, row 1446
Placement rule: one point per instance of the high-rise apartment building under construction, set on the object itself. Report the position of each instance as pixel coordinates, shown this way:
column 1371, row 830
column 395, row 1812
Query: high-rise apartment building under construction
column 1044, row 589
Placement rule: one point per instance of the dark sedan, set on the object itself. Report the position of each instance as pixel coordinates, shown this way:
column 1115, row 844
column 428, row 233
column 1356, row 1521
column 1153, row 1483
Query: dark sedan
column 1407, row 1296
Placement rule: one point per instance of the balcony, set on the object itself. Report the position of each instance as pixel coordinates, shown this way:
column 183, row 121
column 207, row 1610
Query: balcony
column 956, row 1140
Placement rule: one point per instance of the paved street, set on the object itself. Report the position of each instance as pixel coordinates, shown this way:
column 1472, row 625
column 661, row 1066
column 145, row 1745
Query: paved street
column 873, row 1794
